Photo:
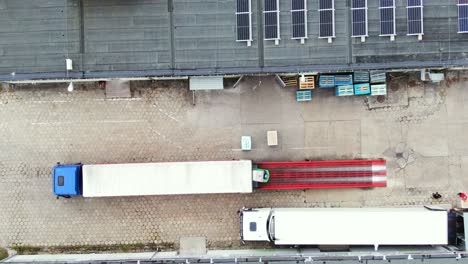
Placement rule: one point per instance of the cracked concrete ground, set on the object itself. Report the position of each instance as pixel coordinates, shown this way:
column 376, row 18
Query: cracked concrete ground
column 420, row 129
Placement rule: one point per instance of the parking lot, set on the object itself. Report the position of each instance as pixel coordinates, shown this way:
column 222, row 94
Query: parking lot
column 419, row 128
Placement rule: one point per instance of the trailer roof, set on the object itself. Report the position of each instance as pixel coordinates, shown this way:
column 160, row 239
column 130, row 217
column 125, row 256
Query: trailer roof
column 360, row 226
column 167, row 178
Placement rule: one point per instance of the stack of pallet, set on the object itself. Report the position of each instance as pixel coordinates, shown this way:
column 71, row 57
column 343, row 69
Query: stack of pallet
column 306, row 85
column 344, row 90
column 344, row 85
column 357, row 83
column 361, row 83
column 378, row 83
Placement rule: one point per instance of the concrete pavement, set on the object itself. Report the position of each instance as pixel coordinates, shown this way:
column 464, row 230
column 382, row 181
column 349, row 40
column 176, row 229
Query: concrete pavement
column 420, row 129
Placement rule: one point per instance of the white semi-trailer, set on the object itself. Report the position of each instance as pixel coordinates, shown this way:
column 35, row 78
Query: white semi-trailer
column 158, row 178
column 345, row 226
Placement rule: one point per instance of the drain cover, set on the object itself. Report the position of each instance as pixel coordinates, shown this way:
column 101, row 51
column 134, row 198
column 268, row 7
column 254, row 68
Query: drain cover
column 381, row 98
column 394, row 87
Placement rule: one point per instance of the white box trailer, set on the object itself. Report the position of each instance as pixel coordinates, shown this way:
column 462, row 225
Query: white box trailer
column 162, row 178
column 345, row 226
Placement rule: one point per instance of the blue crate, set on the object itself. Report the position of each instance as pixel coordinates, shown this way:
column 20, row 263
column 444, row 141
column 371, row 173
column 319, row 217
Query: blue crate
column 327, row 81
column 344, row 79
column 378, row 77
column 378, row 89
column 344, row 90
column 361, row 77
column 304, row 95
column 361, row 88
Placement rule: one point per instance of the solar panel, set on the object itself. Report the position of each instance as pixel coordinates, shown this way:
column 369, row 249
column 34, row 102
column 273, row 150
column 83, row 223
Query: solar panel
column 359, row 4
column 327, row 19
column 243, row 27
column 299, row 19
column 244, row 21
column 271, row 20
column 415, row 17
column 326, row 4
column 415, row 2
column 462, row 16
column 271, row 5
column 243, row 6
column 271, row 26
column 387, row 3
column 387, row 18
column 298, row 4
column 359, row 18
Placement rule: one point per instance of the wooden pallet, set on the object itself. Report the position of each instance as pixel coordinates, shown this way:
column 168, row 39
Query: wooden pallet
column 362, row 88
column 327, row 81
column 378, row 89
column 344, row 90
column 308, row 83
column 378, row 77
column 344, row 79
column 290, row 81
column 361, row 77
column 305, row 95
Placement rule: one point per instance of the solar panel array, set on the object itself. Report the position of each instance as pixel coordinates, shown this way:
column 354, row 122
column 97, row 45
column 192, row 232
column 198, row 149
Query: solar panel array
column 387, row 18
column 244, row 20
column 415, row 17
column 327, row 18
column 462, row 16
column 359, row 18
column 271, row 13
column 299, row 19
column 359, row 15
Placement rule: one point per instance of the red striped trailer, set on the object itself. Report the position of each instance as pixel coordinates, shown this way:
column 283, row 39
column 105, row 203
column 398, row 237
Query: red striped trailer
column 324, row 174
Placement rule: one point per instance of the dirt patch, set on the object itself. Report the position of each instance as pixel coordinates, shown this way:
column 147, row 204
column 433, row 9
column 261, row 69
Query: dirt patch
column 129, row 248
column 452, row 77
column 237, row 245
column 394, row 86
column 3, row 253
column 86, row 249
column 26, row 250
column 412, row 83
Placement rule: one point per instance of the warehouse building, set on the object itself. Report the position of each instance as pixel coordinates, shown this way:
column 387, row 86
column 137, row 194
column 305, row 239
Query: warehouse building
column 156, row 38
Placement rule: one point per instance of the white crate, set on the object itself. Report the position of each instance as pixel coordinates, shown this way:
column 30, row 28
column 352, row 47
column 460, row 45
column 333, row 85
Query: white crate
column 272, row 138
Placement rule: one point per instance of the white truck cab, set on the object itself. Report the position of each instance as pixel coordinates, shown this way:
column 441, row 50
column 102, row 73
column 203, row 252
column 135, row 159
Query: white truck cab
column 254, row 224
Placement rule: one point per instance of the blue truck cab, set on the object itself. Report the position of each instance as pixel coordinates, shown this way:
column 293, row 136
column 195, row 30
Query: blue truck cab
column 67, row 180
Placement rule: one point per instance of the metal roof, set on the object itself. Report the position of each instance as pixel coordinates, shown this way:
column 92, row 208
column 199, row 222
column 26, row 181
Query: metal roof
column 184, row 37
